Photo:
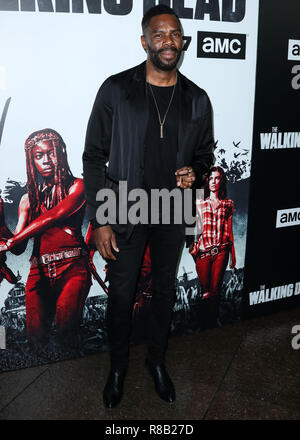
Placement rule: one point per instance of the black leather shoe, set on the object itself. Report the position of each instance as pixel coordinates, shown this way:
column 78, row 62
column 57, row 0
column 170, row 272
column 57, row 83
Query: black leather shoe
column 113, row 389
column 163, row 384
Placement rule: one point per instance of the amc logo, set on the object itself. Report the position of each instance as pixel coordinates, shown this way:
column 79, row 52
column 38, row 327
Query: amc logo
column 294, row 50
column 221, row 45
column 288, row 217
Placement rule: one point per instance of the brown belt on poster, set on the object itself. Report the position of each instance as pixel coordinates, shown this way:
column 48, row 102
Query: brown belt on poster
column 211, row 252
column 58, row 256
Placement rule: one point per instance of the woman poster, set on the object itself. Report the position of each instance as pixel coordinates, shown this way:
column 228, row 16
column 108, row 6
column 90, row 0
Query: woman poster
column 215, row 243
column 52, row 212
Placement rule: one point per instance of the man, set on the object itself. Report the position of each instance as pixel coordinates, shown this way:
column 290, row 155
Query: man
column 154, row 128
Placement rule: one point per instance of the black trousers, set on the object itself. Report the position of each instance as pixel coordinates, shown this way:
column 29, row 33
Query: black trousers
column 165, row 243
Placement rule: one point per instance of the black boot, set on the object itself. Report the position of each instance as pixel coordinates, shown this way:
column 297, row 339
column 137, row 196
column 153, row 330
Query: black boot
column 114, row 387
column 163, row 384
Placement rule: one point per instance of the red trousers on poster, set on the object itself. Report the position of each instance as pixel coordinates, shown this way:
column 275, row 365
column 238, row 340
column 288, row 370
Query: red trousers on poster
column 61, row 295
column 210, row 270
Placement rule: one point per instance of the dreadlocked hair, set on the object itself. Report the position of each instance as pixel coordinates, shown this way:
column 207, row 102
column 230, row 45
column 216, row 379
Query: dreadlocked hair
column 63, row 177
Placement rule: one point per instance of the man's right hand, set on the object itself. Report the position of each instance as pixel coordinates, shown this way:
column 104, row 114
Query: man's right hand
column 104, row 239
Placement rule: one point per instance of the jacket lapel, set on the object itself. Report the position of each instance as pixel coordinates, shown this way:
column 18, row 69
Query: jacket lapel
column 185, row 116
column 137, row 93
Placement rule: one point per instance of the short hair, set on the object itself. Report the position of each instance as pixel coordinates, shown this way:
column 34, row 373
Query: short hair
column 157, row 10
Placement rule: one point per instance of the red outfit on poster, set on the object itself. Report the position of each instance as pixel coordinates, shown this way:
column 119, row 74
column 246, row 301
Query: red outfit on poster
column 59, row 287
column 215, row 243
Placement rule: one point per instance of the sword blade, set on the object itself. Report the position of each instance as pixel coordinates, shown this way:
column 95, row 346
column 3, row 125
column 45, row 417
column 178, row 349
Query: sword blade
column 3, row 117
column 98, row 278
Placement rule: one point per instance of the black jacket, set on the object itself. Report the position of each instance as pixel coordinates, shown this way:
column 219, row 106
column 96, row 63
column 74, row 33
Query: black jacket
column 117, row 128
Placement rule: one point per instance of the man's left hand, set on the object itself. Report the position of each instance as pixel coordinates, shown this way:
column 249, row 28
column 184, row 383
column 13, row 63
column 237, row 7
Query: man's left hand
column 185, row 177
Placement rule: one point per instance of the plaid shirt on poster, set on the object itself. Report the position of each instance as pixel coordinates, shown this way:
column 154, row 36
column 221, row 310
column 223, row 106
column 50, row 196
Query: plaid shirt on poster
column 215, row 230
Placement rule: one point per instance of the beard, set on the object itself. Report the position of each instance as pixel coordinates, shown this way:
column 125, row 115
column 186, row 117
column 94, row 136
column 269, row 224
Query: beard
column 161, row 65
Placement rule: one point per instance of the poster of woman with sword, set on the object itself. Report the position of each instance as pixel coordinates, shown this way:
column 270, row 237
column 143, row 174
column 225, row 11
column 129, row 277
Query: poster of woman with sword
column 52, row 212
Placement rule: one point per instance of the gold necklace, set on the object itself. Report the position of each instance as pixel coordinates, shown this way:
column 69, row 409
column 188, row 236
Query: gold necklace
column 161, row 122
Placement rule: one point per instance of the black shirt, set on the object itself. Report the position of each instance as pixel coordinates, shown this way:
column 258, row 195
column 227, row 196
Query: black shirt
column 160, row 154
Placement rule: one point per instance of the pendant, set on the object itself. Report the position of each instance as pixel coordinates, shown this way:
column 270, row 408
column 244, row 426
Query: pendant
column 161, row 131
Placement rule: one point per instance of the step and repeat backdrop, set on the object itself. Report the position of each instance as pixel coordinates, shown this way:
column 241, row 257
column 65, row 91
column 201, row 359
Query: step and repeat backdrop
column 272, row 277
column 55, row 54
